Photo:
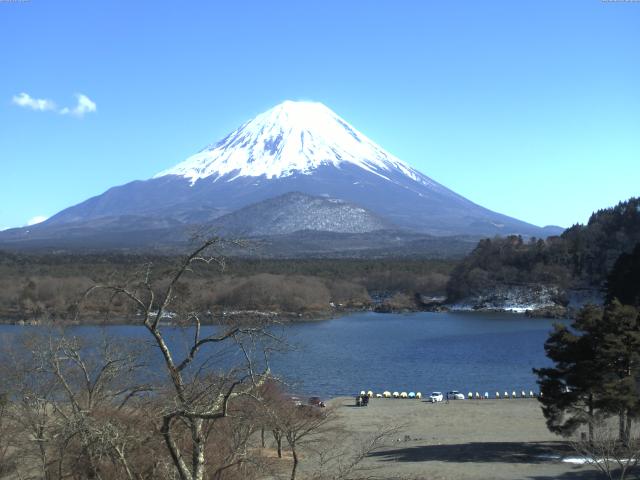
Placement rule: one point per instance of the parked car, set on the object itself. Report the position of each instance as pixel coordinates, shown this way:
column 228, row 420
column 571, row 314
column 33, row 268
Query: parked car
column 316, row 402
column 455, row 395
column 436, row 397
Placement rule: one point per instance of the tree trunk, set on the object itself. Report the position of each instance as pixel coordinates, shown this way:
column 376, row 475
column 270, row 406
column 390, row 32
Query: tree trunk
column 125, row 464
column 91, row 467
column 176, row 456
column 624, row 422
column 262, row 437
column 277, row 436
column 621, row 425
column 590, row 419
column 627, row 433
column 295, row 462
column 43, row 453
column 198, row 450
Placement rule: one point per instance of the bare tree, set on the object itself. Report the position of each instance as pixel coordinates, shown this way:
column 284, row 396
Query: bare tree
column 232, row 446
column 70, row 408
column 270, row 411
column 301, row 425
column 614, row 458
column 95, row 384
column 342, row 455
column 200, row 388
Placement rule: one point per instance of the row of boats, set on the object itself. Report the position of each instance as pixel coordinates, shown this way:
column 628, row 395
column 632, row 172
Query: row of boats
column 452, row 395
column 387, row 394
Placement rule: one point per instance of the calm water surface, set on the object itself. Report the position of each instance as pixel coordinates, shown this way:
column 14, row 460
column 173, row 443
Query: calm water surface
column 404, row 352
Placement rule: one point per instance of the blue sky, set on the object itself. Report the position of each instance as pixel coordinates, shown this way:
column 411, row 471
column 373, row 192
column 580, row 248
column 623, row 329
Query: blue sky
column 531, row 109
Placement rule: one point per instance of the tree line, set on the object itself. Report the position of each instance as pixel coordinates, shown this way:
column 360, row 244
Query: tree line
column 39, row 288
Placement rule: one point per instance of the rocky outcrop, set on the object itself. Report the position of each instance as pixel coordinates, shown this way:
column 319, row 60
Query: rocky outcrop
column 513, row 298
column 534, row 300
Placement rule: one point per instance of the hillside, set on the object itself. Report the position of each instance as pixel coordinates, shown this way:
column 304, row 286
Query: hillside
column 294, row 212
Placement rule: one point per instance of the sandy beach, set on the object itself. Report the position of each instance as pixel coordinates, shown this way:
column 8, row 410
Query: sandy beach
column 464, row 439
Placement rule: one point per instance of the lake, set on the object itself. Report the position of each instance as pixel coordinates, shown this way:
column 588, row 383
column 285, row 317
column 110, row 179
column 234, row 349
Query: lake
column 465, row 351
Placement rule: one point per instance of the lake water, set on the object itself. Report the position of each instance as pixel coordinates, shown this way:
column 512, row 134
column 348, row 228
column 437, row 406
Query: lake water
column 467, row 351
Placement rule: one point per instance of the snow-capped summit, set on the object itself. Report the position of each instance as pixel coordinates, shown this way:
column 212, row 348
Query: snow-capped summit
column 292, row 137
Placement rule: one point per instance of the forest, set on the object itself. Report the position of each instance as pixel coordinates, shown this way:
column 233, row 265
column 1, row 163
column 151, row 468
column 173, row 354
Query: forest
column 581, row 257
column 37, row 288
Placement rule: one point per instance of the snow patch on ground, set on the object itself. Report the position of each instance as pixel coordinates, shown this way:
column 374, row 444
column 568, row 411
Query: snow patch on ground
column 581, row 460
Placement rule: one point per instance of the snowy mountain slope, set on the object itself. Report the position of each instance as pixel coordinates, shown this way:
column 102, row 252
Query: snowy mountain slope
column 294, row 147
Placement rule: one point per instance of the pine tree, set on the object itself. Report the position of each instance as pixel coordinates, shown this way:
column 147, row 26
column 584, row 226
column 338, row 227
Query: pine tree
column 596, row 370
column 570, row 388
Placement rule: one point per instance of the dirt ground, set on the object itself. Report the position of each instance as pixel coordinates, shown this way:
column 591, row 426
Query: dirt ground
column 464, row 439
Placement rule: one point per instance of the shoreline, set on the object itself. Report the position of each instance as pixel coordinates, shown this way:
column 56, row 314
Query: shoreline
column 255, row 316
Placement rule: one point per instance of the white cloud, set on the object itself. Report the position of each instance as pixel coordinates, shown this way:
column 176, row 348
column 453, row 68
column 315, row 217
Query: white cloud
column 84, row 105
column 27, row 101
column 37, row 219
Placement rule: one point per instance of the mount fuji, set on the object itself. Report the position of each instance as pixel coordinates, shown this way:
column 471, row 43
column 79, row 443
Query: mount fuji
column 300, row 147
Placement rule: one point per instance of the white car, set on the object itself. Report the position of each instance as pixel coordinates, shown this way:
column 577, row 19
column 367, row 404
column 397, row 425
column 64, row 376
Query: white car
column 455, row 395
column 436, row 397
